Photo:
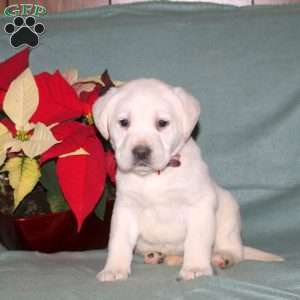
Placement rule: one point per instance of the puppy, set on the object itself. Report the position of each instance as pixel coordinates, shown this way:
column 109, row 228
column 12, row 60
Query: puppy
column 166, row 200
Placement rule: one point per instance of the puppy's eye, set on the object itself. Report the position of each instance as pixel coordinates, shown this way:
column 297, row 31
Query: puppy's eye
column 124, row 123
column 162, row 124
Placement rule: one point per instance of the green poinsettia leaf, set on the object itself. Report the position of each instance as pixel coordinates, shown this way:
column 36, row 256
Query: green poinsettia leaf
column 108, row 194
column 49, row 178
column 49, row 181
column 57, row 202
column 100, row 208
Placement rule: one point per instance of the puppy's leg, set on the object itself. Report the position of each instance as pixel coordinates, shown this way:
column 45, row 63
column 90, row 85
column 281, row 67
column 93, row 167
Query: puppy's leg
column 228, row 245
column 123, row 236
column 199, row 240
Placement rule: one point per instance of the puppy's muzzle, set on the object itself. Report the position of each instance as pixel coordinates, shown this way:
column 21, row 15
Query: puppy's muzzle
column 141, row 154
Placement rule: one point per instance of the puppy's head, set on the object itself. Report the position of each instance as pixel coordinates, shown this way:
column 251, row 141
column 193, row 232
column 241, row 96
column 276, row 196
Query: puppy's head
column 147, row 122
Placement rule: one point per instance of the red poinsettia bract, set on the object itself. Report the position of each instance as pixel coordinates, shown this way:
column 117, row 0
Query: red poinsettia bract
column 82, row 178
column 58, row 101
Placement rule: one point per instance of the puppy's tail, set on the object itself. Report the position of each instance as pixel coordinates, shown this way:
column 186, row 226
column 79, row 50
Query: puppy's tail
column 256, row 254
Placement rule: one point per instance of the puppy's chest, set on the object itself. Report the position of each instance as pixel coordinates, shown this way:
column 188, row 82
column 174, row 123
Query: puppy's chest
column 162, row 224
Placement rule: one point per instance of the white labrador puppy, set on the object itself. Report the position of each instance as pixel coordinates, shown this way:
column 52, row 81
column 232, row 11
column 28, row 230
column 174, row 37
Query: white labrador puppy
column 166, row 200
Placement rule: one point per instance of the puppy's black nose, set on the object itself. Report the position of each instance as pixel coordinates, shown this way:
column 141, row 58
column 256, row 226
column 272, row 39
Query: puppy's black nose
column 141, row 152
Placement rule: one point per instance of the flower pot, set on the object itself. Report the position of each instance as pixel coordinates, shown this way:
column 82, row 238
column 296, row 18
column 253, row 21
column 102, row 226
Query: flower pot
column 55, row 232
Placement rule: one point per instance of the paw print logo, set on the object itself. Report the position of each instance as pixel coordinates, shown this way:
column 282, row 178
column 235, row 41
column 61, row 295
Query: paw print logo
column 24, row 31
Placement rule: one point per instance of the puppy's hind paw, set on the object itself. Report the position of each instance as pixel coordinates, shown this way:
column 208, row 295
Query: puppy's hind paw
column 223, row 260
column 112, row 275
column 192, row 273
column 154, row 258
column 173, row 260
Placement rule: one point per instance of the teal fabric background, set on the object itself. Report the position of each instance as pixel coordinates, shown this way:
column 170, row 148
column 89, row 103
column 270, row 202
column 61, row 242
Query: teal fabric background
column 244, row 66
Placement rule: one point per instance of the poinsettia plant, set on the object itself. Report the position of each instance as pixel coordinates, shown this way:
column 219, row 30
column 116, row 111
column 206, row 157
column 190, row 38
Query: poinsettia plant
column 48, row 140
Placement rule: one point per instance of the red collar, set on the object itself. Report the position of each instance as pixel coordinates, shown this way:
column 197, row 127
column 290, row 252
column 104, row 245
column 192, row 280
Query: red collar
column 174, row 162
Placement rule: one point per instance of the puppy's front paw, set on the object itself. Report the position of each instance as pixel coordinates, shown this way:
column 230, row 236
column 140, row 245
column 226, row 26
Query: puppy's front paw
column 192, row 273
column 112, row 275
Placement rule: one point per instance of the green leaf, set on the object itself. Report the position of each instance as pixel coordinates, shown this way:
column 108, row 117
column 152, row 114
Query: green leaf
column 49, row 180
column 108, row 194
column 100, row 208
column 57, row 202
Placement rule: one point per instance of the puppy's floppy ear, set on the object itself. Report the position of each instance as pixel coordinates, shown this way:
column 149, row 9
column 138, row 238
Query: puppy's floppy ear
column 102, row 110
column 191, row 110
